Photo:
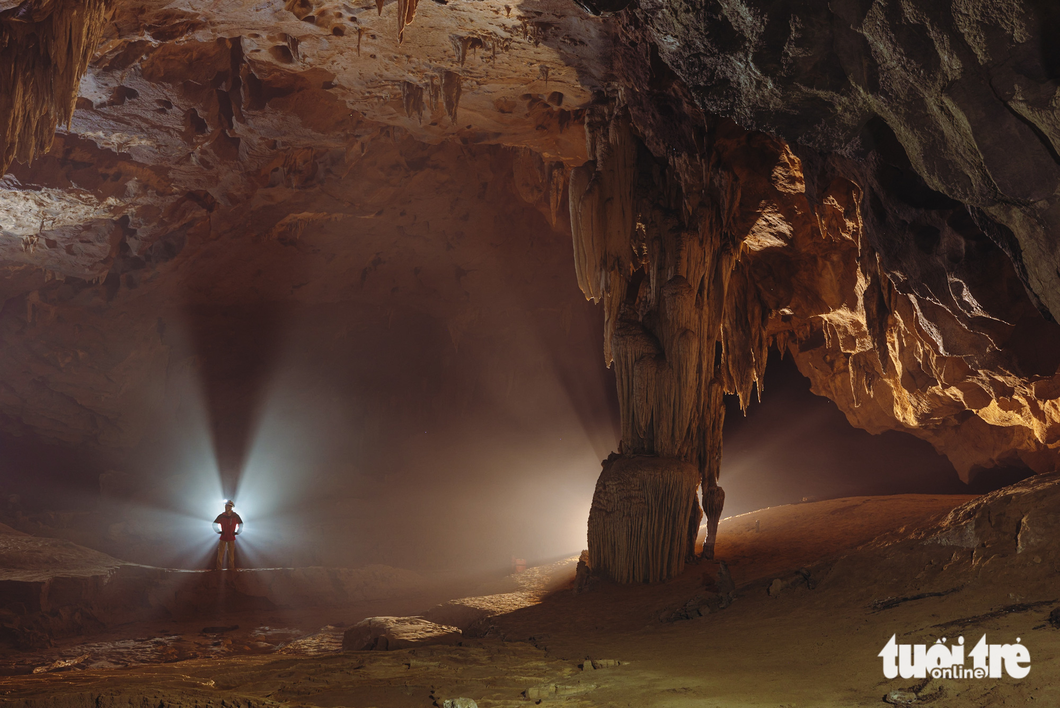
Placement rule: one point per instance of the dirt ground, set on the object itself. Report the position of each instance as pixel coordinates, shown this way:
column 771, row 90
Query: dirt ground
column 820, row 589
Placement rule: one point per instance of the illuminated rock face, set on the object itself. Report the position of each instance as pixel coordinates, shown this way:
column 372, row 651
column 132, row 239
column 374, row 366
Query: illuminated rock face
column 45, row 48
column 963, row 93
column 223, row 157
column 870, row 187
column 906, row 306
column 644, row 518
column 894, row 245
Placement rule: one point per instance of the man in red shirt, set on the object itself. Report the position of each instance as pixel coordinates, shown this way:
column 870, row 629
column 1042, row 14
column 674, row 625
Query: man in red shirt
column 229, row 525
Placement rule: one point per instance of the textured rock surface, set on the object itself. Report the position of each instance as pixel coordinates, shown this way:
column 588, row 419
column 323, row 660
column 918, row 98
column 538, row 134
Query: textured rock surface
column 900, row 303
column 638, row 523
column 45, row 48
column 891, row 225
column 389, row 633
column 274, row 126
column 963, row 93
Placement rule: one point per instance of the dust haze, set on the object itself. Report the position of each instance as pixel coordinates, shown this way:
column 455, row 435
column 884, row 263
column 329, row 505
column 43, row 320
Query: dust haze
column 440, row 406
column 349, row 439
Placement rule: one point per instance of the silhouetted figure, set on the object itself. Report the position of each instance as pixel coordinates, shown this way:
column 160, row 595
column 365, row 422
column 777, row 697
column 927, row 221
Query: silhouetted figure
column 713, row 502
column 229, row 525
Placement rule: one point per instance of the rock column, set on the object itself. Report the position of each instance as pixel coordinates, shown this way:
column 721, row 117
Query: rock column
column 662, row 278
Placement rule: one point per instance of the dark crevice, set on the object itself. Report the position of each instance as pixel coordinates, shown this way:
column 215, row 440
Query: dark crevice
column 1006, row 240
column 1042, row 137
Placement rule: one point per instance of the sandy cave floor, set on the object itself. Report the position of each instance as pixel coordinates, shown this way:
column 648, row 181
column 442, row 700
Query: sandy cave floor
column 796, row 647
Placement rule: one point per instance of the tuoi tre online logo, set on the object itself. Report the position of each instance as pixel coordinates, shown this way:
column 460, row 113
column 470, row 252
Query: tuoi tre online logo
column 942, row 660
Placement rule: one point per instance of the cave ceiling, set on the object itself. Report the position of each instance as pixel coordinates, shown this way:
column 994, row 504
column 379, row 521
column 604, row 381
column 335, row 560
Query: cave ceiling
column 869, row 186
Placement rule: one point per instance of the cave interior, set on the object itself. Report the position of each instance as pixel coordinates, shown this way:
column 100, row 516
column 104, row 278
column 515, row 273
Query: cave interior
column 595, row 352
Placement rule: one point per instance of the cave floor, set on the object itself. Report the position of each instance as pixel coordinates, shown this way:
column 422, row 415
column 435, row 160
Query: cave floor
column 788, row 646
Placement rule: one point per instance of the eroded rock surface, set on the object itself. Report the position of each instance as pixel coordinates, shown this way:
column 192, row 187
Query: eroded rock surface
column 389, row 633
column 901, row 302
column 870, row 187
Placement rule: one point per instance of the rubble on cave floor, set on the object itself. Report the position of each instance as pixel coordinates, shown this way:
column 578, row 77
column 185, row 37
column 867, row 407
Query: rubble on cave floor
column 616, row 644
column 67, row 608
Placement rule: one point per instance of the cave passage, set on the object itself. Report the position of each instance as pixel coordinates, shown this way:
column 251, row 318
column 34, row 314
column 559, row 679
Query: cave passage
column 737, row 320
column 794, row 446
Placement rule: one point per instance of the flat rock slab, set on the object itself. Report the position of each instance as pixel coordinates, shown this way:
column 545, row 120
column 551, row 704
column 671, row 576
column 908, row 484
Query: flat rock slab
column 31, row 559
column 387, row 633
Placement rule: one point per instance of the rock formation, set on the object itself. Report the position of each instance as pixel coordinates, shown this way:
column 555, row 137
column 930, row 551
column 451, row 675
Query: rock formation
column 45, row 47
column 871, row 188
column 908, row 188
column 638, row 523
column 738, row 243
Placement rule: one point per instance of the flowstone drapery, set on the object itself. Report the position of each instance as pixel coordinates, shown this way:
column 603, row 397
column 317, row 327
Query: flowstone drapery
column 45, row 48
column 637, row 527
column 662, row 275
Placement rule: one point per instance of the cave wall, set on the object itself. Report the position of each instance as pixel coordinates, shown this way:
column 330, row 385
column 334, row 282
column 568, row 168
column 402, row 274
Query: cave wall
column 900, row 302
column 869, row 187
column 962, row 93
column 232, row 157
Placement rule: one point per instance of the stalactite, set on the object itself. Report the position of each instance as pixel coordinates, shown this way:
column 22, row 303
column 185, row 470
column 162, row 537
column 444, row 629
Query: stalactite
column 638, row 523
column 451, row 87
column 556, row 174
column 45, row 48
column 405, row 14
column 412, row 99
column 601, row 212
column 584, row 229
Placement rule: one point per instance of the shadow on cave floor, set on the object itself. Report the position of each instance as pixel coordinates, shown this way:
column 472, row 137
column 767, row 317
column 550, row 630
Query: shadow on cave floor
column 56, row 619
column 172, row 615
column 820, row 587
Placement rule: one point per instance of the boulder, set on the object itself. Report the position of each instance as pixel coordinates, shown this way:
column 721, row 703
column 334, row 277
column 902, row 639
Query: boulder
column 388, row 633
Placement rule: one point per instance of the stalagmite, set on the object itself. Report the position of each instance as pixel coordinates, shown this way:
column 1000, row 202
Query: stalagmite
column 638, row 522
column 713, row 495
column 713, row 501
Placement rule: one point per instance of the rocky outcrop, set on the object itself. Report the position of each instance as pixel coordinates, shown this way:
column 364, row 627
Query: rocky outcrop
column 961, row 95
column 708, row 243
column 389, row 633
column 1000, row 546
column 899, row 302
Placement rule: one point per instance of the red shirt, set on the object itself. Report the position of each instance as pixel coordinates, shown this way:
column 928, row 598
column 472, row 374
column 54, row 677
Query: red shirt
column 228, row 525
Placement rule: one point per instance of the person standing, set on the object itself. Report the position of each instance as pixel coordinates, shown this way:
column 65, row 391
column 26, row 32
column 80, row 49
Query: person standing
column 229, row 525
